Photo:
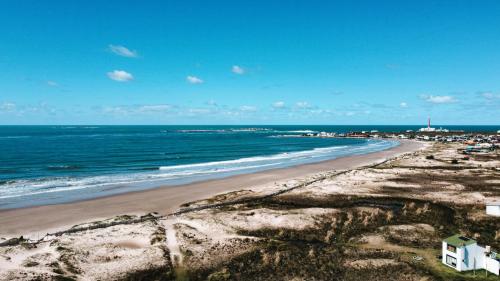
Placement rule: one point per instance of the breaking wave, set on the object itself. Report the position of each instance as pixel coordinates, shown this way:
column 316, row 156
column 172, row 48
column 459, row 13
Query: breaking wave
column 178, row 174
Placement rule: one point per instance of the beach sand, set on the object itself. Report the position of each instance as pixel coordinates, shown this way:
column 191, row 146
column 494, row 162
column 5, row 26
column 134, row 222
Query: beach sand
column 167, row 199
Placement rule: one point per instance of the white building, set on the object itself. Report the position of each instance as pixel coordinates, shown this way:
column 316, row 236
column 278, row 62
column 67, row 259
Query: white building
column 429, row 128
column 463, row 254
column 493, row 208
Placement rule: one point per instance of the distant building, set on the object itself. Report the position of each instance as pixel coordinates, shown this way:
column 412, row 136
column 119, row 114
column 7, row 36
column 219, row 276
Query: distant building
column 357, row 135
column 480, row 147
column 463, row 254
column 493, row 208
column 428, row 129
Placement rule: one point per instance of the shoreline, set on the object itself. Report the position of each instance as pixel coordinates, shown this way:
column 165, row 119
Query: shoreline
column 166, row 199
column 54, row 190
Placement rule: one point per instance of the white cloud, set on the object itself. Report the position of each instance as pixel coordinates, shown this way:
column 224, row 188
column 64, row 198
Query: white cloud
column 7, row 107
column 403, row 104
column 122, row 51
column 117, row 110
column 489, row 95
column 212, row 103
column 120, row 76
column 439, row 99
column 278, row 104
column 138, row 109
column 237, row 69
column 199, row 111
column 248, row 108
column 155, row 108
column 23, row 109
column 194, row 80
column 303, row 104
column 52, row 83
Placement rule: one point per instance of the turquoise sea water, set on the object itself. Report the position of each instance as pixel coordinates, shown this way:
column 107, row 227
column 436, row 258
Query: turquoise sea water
column 55, row 164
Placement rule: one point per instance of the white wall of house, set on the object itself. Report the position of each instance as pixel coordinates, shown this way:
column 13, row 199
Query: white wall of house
column 470, row 254
column 470, row 257
column 456, row 255
column 493, row 209
column 492, row 265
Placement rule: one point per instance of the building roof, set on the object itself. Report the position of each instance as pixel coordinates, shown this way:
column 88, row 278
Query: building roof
column 458, row 240
column 493, row 203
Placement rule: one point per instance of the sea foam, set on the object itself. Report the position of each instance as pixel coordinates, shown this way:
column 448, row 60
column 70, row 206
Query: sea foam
column 176, row 174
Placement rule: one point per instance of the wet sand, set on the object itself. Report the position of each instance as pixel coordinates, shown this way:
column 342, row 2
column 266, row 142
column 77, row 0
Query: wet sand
column 166, row 199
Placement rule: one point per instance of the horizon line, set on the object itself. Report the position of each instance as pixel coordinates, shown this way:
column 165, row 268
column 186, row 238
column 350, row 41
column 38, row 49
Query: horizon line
column 489, row 125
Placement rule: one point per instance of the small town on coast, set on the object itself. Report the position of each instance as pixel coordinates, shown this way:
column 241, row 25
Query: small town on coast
column 472, row 141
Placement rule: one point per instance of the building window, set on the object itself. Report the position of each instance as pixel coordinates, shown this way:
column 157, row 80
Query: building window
column 451, row 248
column 451, row 261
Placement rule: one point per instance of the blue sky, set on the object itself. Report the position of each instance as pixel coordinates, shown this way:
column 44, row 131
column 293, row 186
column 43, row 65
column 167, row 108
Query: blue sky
column 249, row 62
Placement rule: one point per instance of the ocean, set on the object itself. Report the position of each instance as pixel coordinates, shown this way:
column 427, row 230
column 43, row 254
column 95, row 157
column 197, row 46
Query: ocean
column 42, row 165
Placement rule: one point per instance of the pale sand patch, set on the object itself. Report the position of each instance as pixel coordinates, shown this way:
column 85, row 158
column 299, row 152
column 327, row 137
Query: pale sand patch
column 408, row 233
column 276, row 219
column 200, row 250
column 216, row 232
column 17, row 257
column 172, row 243
column 100, row 254
column 106, row 253
column 209, row 237
column 221, row 226
column 370, row 263
column 373, row 239
column 410, row 227
column 456, row 187
column 352, row 182
column 132, row 244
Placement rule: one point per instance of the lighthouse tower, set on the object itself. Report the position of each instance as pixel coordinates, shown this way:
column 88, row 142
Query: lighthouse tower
column 429, row 128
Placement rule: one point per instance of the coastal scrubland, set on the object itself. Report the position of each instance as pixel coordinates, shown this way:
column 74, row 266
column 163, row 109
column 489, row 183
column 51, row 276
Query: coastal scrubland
column 384, row 221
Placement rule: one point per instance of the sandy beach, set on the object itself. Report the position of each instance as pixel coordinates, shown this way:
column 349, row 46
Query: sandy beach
column 166, row 199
